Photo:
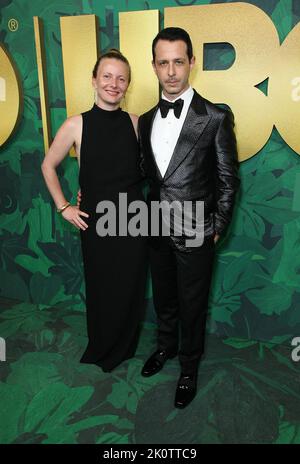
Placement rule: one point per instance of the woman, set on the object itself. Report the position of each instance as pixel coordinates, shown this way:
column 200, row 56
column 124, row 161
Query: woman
column 114, row 266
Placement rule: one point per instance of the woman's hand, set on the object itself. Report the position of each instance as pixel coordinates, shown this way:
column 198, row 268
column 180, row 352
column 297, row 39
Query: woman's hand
column 72, row 214
column 216, row 238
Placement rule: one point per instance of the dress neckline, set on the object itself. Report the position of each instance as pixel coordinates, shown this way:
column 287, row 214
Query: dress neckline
column 111, row 114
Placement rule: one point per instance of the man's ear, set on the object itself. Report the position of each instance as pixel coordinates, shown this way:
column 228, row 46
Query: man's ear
column 192, row 62
column 153, row 66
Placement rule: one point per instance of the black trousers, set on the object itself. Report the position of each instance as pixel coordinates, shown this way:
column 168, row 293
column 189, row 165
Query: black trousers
column 181, row 282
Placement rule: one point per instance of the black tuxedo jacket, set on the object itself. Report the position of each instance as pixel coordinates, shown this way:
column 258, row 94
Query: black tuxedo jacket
column 204, row 164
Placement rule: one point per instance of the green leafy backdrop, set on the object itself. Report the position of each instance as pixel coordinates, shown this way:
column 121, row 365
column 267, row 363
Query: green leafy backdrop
column 255, row 292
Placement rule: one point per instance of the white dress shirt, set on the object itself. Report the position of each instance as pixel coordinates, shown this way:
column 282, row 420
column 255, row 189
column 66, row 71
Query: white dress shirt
column 165, row 131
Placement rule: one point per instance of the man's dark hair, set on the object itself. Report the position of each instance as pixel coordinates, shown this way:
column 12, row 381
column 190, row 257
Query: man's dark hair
column 172, row 34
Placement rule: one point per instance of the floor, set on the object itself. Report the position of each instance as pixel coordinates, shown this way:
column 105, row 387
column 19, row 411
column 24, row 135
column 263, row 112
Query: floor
column 248, row 392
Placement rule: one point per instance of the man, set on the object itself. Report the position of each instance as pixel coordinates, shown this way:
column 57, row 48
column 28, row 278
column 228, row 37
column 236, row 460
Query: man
column 188, row 152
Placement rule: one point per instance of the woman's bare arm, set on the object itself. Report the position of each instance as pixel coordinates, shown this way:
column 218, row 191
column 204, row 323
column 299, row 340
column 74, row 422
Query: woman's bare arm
column 68, row 135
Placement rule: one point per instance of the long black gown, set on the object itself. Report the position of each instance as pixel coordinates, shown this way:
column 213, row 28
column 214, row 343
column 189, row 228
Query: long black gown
column 115, row 268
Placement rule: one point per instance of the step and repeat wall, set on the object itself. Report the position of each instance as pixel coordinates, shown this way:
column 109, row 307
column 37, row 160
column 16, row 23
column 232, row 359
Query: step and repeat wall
column 247, row 58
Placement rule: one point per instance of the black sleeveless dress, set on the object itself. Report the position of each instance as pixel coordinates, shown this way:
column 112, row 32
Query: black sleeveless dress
column 115, row 267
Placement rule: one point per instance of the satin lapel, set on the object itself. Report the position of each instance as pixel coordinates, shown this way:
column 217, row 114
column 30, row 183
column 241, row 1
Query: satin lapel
column 148, row 124
column 193, row 127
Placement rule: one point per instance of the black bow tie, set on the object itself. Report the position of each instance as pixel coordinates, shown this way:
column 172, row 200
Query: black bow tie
column 165, row 106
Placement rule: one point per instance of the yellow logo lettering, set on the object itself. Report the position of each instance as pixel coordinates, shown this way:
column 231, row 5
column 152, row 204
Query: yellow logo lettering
column 10, row 96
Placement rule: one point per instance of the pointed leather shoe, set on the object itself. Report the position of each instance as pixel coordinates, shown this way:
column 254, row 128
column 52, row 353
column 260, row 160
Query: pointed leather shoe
column 186, row 390
column 155, row 363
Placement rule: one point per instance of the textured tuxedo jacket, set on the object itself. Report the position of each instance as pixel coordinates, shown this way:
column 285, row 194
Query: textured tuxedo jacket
column 204, row 164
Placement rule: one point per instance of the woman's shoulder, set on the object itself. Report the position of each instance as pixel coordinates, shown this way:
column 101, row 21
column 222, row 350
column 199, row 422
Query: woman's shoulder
column 73, row 122
column 77, row 119
column 72, row 125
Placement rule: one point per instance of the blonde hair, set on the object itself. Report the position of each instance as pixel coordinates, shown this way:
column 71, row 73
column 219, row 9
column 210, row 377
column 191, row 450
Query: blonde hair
column 115, row 54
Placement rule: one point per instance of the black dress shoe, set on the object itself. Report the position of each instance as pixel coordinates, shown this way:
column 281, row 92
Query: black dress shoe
column 156, row 362
column 186, row 390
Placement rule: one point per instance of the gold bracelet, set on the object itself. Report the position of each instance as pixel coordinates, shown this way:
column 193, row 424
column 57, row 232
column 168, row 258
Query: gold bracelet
column 63, row 207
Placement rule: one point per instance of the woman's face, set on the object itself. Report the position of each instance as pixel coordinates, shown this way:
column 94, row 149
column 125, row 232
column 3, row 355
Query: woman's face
column 111, row 82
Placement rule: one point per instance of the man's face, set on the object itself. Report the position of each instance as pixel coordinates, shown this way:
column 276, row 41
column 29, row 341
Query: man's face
column 172, row 67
